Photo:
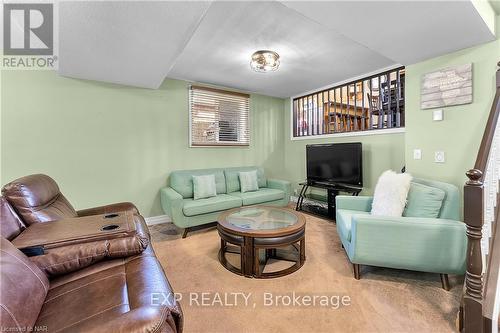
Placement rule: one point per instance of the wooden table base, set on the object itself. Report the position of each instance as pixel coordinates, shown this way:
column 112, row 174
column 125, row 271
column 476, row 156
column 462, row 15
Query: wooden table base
column 249, row 250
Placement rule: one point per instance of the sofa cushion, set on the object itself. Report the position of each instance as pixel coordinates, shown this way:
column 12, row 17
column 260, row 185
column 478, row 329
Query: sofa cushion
column 209, row 205
column 108, row 290
column 233, row 179
column 204, row 187
column 450, row 209
column 248, row 181
column 423, row 201
column 182, row 181
column 344, row 218
column 260, row 196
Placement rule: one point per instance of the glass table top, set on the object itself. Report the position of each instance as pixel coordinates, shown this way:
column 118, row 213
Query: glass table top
column 258, row 218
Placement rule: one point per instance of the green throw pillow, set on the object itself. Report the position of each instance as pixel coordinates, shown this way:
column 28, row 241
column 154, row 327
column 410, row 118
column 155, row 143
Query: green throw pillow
column 423, row 201
column 248, row 181
column 204, row 187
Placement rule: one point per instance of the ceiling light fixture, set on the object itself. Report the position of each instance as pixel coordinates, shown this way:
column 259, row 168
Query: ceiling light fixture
column 265, row 61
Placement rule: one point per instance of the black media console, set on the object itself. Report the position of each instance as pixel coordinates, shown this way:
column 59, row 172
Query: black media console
column 332, row 189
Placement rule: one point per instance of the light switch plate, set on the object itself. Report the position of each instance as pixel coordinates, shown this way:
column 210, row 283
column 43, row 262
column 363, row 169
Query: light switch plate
column 417, row 154
column 437, row 115
column 439, row 157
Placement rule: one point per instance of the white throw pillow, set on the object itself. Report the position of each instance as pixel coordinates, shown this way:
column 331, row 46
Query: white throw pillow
column 390, row 194
column 248, row 181
column 204, row 187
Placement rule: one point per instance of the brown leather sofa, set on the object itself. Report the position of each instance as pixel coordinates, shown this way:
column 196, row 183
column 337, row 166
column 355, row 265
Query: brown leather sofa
column 128, row 294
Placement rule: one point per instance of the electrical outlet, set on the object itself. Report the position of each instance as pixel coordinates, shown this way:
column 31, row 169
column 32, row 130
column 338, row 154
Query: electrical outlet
column 417, row 154
column 437, row 115
column 439, row 157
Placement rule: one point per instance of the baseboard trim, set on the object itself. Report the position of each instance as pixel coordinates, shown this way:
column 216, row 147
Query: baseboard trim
column 158, row 219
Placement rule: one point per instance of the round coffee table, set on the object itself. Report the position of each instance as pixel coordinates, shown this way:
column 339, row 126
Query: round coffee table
column 278, row 231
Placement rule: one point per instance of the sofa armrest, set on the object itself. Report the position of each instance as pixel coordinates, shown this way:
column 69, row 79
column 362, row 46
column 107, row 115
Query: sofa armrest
column 75, row 243
column 113, row 208
column 279, row 185
column 172, row 203
column 283, row 185
column 422, row 244
column 142, row 319
column 363, row 203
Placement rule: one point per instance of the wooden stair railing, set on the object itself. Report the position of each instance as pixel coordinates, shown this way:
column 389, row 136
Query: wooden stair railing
column 481, row 299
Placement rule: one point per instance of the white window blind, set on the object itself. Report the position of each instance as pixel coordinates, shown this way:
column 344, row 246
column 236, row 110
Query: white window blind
column 218, row 117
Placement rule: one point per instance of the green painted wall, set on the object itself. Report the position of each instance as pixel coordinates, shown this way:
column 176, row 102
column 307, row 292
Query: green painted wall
column 459, row 134
column 380, row 152
column 105, row 143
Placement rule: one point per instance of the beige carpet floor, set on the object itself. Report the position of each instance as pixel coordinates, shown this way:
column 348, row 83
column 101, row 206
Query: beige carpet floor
column 384, row 300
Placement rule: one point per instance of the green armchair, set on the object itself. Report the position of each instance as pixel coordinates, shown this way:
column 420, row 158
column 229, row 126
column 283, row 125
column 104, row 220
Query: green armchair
column 436, row 245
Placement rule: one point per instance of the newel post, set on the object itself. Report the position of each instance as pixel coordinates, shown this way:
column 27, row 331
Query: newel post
column 473, row 217
column 498, row 75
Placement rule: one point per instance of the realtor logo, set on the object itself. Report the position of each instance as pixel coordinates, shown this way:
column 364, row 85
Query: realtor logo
column 28, row 29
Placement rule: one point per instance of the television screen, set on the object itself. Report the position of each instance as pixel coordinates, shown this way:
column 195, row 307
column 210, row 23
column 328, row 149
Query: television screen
column 338, row 163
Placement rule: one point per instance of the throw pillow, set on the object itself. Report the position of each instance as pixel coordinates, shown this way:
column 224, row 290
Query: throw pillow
column 248, row 181
column 204, row 187
column 390, row 194
column 424, row 201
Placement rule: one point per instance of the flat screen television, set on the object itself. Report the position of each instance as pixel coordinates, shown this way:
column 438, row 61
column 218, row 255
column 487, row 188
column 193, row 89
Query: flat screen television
column 337, row 164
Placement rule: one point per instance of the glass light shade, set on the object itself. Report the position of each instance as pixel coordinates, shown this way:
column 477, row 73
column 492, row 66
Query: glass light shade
column 265, row 61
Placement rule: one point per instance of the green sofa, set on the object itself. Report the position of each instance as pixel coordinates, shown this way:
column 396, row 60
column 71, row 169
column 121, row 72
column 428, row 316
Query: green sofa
column 436, row 245
column 178, row 203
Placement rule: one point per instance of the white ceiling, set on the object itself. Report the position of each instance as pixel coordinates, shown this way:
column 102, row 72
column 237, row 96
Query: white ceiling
column 404, row 31
column 311, row 55
column 141, row 43
column 125, row 42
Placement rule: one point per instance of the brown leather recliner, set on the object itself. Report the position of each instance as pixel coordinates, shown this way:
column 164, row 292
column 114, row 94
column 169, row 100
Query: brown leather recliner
column 111, row 296
column 130, row 294
column 37, row 198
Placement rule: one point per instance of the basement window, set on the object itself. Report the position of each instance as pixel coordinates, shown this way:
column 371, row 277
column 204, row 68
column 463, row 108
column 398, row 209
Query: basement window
column 218, row 117
column 368, row 104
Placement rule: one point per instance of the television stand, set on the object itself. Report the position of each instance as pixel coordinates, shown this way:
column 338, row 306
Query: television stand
column 332, row 191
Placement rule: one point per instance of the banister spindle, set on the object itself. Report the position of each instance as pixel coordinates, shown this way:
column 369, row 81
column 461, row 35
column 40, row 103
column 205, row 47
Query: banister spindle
column 473, row 216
